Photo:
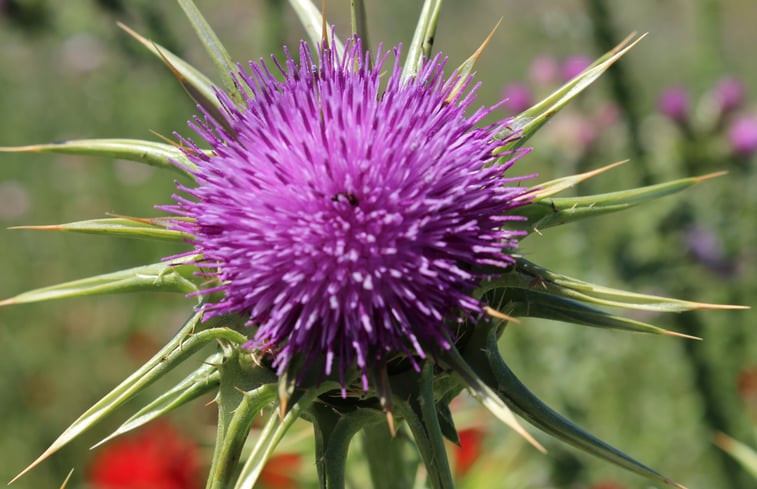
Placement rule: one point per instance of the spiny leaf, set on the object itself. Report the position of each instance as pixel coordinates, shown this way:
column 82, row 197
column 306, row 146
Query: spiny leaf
column 526, row 404
column 199, row 382
column 273, row 432
column 528, row 275
column 463, row 72
column 160, row 155
column 215, row 49
column 419, row 412
column 547, row 189
column 167, row 276
column 190, row 338
column 117, row 226
column 532, row 303
column 225, row 464
column 312, row 20
column 196, row 84
column 423, row 38
column 529, row 121
column 482, row 393
column 543, row 213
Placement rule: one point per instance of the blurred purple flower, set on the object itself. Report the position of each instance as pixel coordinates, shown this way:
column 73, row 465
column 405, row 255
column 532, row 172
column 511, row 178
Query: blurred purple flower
column 346, row 215
column 574, row 65
column 674, row 103
column 729, row 94
column 705, row 246
column 544, row 70
column 742, row 135
column 517, row 97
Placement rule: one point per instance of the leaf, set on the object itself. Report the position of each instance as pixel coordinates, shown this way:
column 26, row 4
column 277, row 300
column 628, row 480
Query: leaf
column 194, row 82
column 529, row 121
column 312, row 21
column 218, row 54
column 464, row 71
column 743, row 454
column 167, row 276
column 160, row 155
column 199, row 382
column 526, row 404
column 542, row 213
column 423, row 38
column 419, row 412
column 482, row 393
column 528, row 275
column 273, row 432
column 531, row 303
column 333, row 433
column 190, row 338
column 118, row 226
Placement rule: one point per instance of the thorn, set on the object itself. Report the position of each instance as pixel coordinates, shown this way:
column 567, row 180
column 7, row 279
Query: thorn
column 703, row 305
column 324, row 26
column 500, row 315
column 50, row 227
column 385, row 399
column 7, row 302
column 283, row 404
column 676, row 334
column 68, row 477
column 166, row 139
column 471, row 61
column 709, row 176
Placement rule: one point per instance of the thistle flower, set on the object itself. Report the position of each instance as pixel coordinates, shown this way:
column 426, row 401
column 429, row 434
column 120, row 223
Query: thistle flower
column 674, row 103
column 357, row 218
column 348, row 221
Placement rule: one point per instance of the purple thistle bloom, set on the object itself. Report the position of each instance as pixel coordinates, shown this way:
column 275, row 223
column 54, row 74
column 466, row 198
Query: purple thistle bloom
column 742, row 135
column 729, row 94
column 574, row 65
column 674, row 103
column 348, row 218
column 517, row 97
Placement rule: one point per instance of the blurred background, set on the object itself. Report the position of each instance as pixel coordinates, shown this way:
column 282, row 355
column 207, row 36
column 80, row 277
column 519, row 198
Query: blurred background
column 682, row 103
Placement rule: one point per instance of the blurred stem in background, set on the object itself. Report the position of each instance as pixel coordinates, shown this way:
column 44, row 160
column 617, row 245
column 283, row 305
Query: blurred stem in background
column 605, row 38
column 706, row 375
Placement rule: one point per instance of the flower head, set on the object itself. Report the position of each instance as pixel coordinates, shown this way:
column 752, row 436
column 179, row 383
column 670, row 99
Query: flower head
column 347, row 219
column 674, row 103
column 742, row 135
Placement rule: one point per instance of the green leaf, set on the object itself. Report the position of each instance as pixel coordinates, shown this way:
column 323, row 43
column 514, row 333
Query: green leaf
column 531, row 303
column 390, row 462
column 313, row 23
column 543, row 212
column 423, row 38
column 190, row 338
column 527, row 275
column 167, row 276
column 273, row 432
column 526, row 404
column 743, row 454
column 224, row 65
column 464, row 71
column 529, row 121
column 419, row 412
column 245, row 388
column 125, row 227
column 483, row 393
column 203, row 380
column 194, row 82
column 160, row 155
column 333, row 433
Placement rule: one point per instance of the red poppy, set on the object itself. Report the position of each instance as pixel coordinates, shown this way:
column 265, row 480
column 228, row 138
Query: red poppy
column 466, row 454
column 157, row 457
column 279, row 472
